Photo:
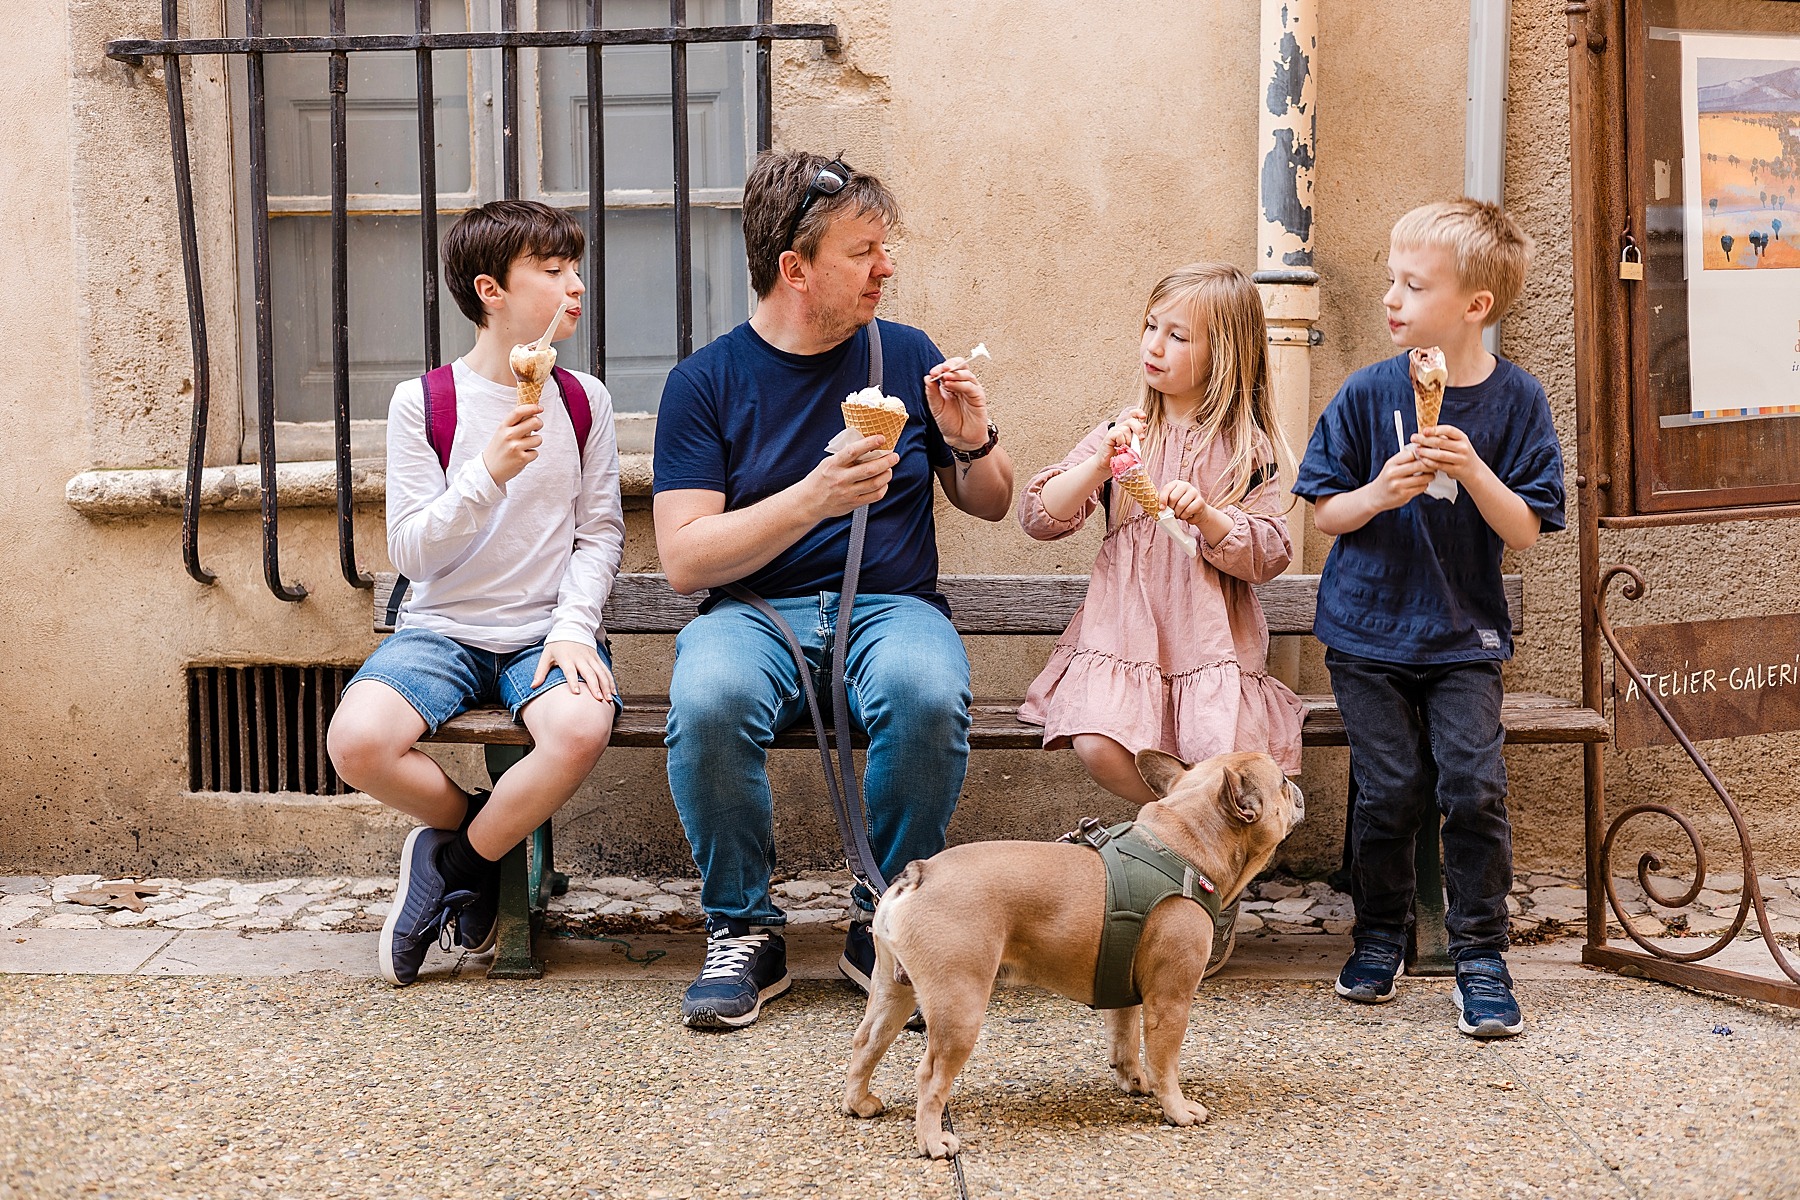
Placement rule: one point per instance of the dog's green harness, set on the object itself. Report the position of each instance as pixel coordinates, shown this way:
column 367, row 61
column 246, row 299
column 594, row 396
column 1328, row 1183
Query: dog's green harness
column 1141, row 873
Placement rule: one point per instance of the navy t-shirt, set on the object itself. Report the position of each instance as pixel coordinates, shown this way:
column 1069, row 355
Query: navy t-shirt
column 1421, row 583
column 747, row 419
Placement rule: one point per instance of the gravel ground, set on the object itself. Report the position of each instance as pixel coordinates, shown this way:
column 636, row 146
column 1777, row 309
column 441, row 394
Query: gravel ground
column 321, row 1086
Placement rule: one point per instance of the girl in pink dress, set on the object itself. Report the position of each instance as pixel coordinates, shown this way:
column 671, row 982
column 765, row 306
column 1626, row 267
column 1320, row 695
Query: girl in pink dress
column 1170, row 651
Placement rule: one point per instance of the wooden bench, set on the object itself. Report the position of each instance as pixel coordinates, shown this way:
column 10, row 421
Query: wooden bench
column 983, row 605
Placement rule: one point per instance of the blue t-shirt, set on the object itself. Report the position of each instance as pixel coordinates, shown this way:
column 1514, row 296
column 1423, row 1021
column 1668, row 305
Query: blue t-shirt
column 1421, row 583
column 747, row 419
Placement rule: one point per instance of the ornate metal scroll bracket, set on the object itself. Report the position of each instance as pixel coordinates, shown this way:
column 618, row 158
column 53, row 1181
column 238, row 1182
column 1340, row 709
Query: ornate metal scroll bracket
column 1636, row 588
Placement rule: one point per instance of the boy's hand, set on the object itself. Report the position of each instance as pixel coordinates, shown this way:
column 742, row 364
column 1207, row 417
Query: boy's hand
column 1129, row 424
column 515, row 443
column 581, row 666
column 843, row 483
column 1402, row 477
column 1446, row 448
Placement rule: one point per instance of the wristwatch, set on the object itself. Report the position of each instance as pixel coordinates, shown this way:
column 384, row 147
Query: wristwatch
column 981, row 451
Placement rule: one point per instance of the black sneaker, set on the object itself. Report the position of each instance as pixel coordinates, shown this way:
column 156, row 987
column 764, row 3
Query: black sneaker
column 1368, row 976
column 858, row 961
column 421, row 908
column 744, row 967
column 1484, row 1000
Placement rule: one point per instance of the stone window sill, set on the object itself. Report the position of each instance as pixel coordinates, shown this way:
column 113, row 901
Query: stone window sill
column 140, row 493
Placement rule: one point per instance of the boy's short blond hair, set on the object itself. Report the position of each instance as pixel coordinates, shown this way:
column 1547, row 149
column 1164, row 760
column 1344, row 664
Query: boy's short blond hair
column 1490, row 249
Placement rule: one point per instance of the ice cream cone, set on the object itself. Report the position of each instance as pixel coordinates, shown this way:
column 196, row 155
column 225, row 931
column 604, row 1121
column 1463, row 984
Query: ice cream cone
column 1137, row 485
column 869, row 420
column 1428, row 378
column 531, row 366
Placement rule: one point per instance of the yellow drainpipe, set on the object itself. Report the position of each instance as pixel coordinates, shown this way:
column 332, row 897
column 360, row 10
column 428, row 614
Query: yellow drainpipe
column 1287, row 128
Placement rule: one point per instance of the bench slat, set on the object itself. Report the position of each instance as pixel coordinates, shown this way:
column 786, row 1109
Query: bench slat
column 1530, row 718
column 980, row 604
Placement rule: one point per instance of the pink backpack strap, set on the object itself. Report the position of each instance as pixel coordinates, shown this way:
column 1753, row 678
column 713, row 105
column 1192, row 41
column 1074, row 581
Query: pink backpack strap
column 440, row 411
column 581, row 413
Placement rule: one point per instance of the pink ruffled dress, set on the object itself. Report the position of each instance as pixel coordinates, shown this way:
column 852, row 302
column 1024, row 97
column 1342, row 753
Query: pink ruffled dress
column 1168, row 652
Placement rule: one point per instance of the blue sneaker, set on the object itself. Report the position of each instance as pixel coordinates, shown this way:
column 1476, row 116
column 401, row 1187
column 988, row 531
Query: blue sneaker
column 421, row 907
column 858, row 962
column 1368, row 975
column 744, row 967
column 1484, row 1000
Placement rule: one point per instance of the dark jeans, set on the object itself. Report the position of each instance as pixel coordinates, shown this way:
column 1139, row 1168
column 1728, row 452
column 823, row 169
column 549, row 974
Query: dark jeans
column 1420, row 734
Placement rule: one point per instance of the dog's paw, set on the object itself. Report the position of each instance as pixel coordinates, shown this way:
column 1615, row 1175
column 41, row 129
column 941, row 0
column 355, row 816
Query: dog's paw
column 939, row 1145
column 1182, row 1111
column 1131, row 1079
column 865, row 1106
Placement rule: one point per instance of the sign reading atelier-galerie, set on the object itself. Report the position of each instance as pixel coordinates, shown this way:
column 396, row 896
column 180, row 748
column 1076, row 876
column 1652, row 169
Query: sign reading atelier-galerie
column 1718, row 679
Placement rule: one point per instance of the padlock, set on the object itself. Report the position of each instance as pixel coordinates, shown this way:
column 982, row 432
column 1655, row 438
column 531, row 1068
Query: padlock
column 1631, row 264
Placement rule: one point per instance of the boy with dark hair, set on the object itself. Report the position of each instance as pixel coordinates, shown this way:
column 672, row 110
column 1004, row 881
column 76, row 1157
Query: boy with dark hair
column 506, row 517
column 1411, row 606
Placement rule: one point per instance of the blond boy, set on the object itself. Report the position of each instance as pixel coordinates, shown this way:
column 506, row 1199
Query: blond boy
column 1411, row 606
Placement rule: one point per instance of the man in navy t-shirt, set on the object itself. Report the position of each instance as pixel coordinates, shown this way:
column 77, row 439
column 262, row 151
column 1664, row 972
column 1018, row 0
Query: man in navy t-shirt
column 1411, row 606
column 748, row 493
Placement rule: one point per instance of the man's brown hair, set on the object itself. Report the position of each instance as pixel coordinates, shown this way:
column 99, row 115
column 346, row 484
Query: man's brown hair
column 773, row 194
column 489, row 239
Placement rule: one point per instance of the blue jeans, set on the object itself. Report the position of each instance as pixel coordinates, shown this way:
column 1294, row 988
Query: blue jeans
column 442, row 677
column 1426, row 739
column 735, row 687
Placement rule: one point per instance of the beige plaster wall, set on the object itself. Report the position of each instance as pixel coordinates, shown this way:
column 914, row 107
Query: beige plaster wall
column 1052, row 169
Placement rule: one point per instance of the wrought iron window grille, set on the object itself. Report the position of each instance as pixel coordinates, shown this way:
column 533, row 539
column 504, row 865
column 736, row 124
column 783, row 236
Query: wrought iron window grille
column 339, row 45
column 261, row 728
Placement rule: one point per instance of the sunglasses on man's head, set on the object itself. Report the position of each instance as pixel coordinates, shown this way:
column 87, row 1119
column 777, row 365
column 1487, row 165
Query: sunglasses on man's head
column 829, row 181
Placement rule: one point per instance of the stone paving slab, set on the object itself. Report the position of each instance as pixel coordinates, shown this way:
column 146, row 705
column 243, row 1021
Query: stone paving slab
column 324, row 1086
column 79, row 952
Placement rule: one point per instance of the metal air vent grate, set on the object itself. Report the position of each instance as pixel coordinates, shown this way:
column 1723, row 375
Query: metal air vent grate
column 261, row 728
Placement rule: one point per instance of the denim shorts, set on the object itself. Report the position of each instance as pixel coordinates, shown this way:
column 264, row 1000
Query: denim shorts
column 441, row 677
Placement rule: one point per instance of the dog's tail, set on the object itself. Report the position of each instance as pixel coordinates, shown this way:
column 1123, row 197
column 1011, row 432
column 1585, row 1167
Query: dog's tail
column 894, row 899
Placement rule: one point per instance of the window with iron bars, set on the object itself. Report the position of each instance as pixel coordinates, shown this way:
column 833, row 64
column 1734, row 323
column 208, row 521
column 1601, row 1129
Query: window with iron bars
column 520, row 81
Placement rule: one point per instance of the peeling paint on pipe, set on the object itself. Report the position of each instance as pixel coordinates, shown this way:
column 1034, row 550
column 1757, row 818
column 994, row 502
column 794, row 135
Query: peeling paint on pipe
column 1287, row 130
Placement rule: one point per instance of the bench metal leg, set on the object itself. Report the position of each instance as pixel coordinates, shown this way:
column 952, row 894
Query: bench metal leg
column 1430, row 940
column 523, row 873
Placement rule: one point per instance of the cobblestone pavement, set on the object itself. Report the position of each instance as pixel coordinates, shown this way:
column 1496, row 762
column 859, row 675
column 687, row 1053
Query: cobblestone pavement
column 1544, row 906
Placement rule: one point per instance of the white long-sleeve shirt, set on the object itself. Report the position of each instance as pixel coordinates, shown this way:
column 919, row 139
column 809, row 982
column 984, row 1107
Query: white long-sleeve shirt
column 504, row 566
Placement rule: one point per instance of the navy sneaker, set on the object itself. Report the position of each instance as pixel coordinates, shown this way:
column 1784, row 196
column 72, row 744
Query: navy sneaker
column 1484, row 1000
column 744, row 967
column 1368, row 975
column 421, row 907
column 858, row 961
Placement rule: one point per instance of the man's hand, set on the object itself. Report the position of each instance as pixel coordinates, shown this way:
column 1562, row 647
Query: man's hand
column 842, row 484
column 958, row 404
column 515, row 443
column 1402, row 477
column 1446, row 448
column 581, row 666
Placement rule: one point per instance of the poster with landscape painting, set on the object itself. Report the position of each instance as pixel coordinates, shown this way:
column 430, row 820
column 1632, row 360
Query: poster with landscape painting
column 1741, row 186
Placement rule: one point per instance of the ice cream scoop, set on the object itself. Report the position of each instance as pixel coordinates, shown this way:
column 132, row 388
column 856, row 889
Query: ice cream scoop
column 871, row 414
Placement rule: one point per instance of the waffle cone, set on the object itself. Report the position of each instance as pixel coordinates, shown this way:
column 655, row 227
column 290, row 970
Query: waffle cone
column 870, row 421
column 1429, row 399
column 1137, row 485
column 531, row 391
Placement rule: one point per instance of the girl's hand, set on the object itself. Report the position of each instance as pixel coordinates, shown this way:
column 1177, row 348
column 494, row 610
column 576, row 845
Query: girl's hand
column 1185, row 501
column 1129, row 424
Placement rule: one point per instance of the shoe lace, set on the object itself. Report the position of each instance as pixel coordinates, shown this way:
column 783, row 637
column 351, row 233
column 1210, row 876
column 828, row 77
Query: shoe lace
column 441, row 923
column 727, row 956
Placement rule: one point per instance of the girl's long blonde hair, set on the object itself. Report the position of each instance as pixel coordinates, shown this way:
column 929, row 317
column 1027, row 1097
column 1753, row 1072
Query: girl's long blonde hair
column 1220, row 301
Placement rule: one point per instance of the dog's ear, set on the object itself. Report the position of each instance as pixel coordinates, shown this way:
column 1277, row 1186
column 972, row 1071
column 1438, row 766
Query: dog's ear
column 1160, row 771
column 1244, row 803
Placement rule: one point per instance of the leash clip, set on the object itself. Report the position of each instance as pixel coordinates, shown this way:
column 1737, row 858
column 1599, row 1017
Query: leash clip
column 1091, row 830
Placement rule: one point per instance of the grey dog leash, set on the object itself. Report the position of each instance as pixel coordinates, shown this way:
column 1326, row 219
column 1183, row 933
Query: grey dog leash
column 841, row 781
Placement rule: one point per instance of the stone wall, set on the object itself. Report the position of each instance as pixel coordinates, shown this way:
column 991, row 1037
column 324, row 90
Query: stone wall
column 1052, row 168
